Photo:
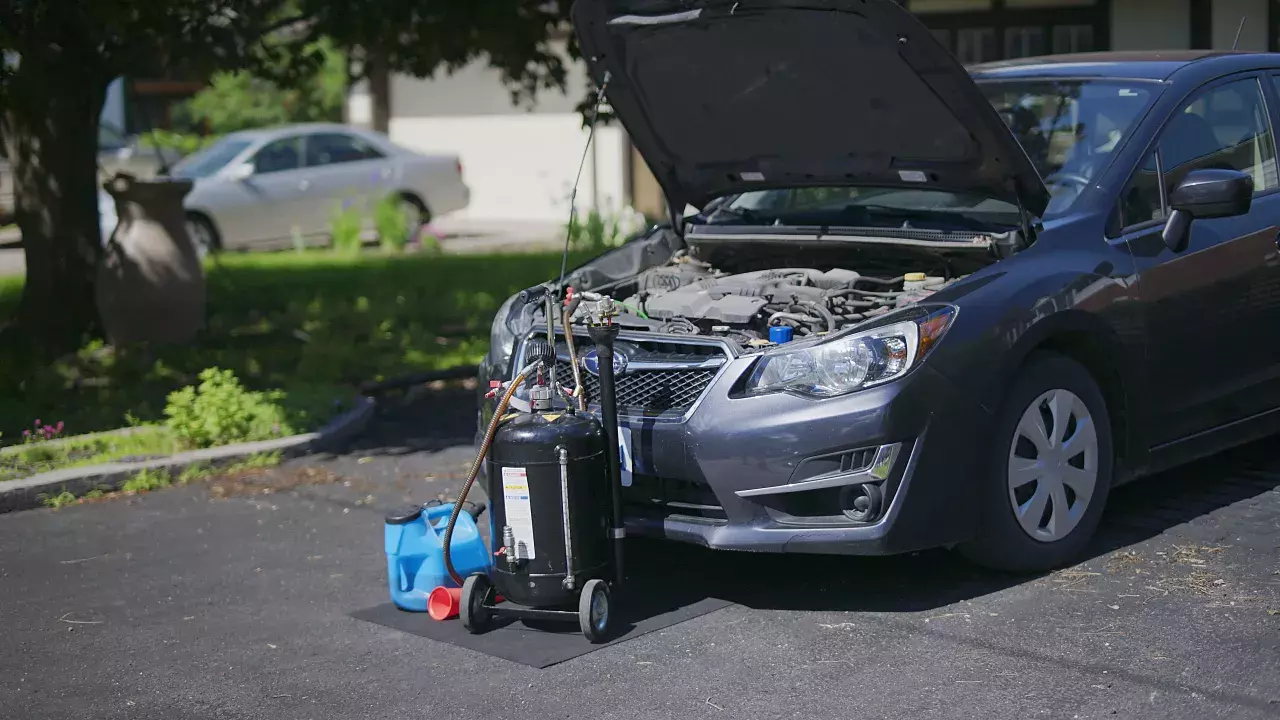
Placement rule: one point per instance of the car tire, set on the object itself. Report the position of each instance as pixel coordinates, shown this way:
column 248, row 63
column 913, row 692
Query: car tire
column 417, row 215
column 1038, row 511
column 204, row 238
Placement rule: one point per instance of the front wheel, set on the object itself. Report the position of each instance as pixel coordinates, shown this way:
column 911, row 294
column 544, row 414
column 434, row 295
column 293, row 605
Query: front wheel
column 476, row 618
column 203, row 237
column 1049, row 472
column 416, row 217
column 593, row 610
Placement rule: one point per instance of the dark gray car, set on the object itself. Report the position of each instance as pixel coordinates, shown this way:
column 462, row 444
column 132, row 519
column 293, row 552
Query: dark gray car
column 924, row 308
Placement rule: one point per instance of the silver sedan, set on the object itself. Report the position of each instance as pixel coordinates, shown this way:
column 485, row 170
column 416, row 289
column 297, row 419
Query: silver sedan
column 272, row 187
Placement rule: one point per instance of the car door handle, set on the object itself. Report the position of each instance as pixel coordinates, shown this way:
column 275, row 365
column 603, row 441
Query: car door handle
column 304, row 185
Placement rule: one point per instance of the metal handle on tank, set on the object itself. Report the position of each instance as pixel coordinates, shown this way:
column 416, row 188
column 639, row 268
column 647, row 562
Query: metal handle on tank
column 563, row 453
column 603, row 337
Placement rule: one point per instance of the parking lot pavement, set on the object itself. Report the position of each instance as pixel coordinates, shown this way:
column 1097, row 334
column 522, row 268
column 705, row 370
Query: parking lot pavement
column 231, row 599
column 12, row 261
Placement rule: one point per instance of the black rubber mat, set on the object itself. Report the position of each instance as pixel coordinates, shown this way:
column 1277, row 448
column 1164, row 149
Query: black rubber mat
column 549, row 643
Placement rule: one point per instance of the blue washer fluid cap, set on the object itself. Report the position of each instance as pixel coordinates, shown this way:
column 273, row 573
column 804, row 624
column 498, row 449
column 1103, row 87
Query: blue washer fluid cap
column 781, row 334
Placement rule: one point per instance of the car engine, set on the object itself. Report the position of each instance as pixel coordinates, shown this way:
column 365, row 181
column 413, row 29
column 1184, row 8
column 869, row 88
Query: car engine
column 690, row 297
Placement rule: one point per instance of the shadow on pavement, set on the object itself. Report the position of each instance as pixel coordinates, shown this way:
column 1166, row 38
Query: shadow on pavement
column 909, row 583
column 928, row 580
column 432, row 422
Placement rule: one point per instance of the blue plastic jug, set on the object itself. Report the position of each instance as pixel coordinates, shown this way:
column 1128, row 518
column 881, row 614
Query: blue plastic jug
column 415, row 553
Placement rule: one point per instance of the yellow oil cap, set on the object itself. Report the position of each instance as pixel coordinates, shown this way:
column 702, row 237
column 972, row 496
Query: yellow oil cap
column 914, row 277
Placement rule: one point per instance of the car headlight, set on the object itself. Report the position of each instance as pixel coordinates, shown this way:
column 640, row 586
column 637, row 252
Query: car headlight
column 852, row 362
column 502, row 340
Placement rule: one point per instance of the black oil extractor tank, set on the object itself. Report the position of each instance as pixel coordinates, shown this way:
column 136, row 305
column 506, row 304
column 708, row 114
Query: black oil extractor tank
column 527, row 482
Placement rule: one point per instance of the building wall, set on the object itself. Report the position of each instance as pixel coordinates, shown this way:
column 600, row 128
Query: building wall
column 113, row 110
column 519, row 161
column 1227, row 15
column 1150, row 24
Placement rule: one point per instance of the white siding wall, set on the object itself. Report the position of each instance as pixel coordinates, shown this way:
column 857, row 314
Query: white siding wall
column 1226, row 21
column 113, row 108
column 1166, row 24
column 1150, row 24
column 519, row 162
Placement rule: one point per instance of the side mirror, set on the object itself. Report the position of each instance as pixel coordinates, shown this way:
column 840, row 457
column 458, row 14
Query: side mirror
column 1202, row 195
column 243, row 171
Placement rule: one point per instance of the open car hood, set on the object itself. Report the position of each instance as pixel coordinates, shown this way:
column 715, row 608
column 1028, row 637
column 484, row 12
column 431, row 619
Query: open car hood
column 725, row 96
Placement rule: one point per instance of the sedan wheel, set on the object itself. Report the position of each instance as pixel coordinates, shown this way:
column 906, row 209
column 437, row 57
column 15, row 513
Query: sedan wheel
column 414, row 217
column 1053, row 465
column 202, row 237
column 1049, row 472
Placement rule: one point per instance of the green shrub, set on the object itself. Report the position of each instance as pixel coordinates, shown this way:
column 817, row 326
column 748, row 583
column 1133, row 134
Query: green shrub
column 220, row 410
column 182, row 144
column 598, row 231
column 55, row 502
column 345, row 229
column 146, row 481
column 392, row 223
column 194, row 473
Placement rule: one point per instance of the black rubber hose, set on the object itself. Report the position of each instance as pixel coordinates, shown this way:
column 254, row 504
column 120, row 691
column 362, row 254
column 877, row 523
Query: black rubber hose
column 471, row 476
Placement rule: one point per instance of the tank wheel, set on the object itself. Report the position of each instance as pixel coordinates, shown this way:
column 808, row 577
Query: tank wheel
column 476, row 618
column 593, row 610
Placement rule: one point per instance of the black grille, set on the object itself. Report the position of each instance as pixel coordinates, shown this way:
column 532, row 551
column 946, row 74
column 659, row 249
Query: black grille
column 647, row 392
column 667, row 497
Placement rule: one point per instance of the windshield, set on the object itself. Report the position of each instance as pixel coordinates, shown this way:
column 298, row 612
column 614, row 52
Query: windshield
column 869, row 207
column 1069, row 129
column 212, row 159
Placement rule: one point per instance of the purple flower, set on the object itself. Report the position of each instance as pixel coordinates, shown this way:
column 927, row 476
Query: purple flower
column 37, row 422
column 59, row 426
column 26, row 433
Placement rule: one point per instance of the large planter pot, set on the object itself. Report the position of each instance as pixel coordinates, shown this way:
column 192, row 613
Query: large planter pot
column 150, row 281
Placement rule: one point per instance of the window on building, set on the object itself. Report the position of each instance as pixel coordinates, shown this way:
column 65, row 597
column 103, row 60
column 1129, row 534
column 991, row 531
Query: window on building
column 1072, row 39
column 1026, row 41
column 975, row 45
column 981, row 31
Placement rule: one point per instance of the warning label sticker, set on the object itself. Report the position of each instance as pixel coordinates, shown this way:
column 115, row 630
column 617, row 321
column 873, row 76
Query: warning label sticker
column 515, row 498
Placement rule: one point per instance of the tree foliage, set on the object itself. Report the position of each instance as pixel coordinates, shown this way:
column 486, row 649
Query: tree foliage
column 61, row 55
column 240, row 99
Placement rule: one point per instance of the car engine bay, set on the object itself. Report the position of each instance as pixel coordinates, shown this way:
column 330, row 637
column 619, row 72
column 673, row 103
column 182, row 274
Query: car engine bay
column 740, row 293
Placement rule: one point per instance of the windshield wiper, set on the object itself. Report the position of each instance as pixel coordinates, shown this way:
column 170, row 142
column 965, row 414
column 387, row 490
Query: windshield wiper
column 745, row 214
column 950, row 219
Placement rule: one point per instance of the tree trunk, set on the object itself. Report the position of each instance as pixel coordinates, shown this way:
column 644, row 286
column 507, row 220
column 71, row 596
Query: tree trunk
column 50, row 127
column 379, row 89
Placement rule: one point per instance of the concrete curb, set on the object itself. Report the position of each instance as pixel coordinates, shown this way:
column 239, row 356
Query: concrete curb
column 24, row 494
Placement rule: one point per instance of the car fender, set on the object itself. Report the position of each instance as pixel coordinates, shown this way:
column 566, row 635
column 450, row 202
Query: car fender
column 1014, row 310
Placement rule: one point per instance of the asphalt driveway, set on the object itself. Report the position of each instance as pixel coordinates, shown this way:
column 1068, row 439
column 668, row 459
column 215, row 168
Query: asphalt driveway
column 231, row 600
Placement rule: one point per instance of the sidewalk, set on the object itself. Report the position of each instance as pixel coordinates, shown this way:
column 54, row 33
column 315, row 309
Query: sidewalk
column 481, row 236
column 456, row 237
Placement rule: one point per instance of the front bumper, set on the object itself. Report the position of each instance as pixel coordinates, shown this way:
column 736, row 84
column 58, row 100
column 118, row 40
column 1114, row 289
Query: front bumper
column 750, row 451
column 739, row 464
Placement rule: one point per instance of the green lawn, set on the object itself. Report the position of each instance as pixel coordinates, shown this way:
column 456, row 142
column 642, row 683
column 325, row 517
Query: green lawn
column 21, row 461
column 314, row 324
